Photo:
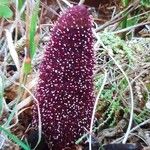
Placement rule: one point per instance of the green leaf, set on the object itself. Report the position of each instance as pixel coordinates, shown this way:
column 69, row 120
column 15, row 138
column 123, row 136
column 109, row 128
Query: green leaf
column 145, row 3
column 125, row 3
column 4, row 2
column 5, row 11
column 133, row 21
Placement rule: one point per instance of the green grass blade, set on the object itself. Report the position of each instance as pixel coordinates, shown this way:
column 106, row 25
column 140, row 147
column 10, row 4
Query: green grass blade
column 125, row 3
column 15, row 139
column 32, row 30
column 27, row 66
column 20, row 4
column 1, row 95
column 11, row 116
column 14, row 110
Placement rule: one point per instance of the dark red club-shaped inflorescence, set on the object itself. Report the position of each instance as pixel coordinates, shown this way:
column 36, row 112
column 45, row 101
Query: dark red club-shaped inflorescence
column 65, row 86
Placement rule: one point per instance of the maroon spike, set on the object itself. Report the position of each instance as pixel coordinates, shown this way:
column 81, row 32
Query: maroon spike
column 65, row 87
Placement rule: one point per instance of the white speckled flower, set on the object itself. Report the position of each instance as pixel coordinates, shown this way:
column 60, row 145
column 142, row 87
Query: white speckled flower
column 65, row 86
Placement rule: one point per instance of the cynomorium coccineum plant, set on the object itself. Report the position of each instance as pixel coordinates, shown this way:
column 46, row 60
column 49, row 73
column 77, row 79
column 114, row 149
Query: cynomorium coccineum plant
column 65, row 87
